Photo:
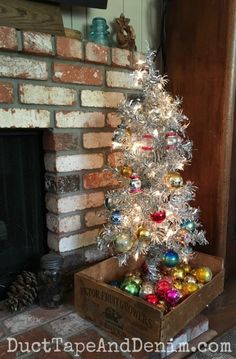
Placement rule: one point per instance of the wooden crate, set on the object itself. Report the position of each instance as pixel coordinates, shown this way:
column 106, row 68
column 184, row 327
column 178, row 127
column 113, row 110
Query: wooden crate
column 127, row 316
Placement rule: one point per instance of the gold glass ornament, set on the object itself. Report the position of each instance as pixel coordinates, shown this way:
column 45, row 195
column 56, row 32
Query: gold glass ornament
column 126, row 171
column 204, row 274
column 193, row 272
column 190, row 279
column 143, row 234
column 173, row 180
column 178, row 284
column 189, row 288
column 123, row 242
column 162, row 306
column 178, row 273
column 187, row 268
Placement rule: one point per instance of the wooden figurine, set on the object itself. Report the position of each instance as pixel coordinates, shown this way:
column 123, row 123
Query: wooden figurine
column 125, row 34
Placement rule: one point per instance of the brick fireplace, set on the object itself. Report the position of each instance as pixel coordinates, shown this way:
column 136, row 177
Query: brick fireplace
column 71, row 90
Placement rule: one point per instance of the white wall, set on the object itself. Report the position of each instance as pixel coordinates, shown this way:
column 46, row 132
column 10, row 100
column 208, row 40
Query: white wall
column 145, row 17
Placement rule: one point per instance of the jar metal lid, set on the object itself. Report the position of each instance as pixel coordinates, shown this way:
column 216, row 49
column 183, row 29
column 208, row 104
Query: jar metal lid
column 51, row 260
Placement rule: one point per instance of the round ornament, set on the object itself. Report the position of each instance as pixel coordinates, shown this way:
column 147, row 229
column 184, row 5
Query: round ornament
column 134, row 278
column 178, row 284
column 187, row 268
column 123, row 242
column 168, row 278
column 146, row 288
column 130, row 287
column 126, row 171
column 189, row 288
column 152, row 299
column 147, row 142
column 173, row 180
column 171, row 258
column 108, row 204
column 116, row 217
column 119, row 134
column 143, row 234
column 173, row 296
column 172, row 140
column 188, row 225
column 115, row 283
column 178, row 273
column 204, row 274
column 135, row 183
column 158, row 216
column 190, row 279
column 161, row 287
column 182, row 236
column 162, row 306
column 193, row 272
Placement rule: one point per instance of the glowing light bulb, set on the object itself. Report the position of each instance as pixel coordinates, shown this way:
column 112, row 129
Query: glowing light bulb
column 136, row 256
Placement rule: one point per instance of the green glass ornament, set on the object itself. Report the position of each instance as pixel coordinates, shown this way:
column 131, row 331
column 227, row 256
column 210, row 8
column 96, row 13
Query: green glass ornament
column 130, row 287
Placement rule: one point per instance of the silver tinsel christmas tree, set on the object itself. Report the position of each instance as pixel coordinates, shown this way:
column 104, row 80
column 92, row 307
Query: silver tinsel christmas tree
column 150, row 213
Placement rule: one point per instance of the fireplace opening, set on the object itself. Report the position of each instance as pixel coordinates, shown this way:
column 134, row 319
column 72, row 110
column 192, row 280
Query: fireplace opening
column 22, row 208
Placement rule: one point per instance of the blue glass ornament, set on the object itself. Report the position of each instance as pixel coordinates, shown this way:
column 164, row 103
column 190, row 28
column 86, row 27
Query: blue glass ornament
column 98, row 31
column 116, row 217
column 170, row 258
column 115, row 283
column 189, row 225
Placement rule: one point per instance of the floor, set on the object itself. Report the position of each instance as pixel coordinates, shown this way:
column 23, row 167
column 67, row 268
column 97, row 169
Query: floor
column 37, row 324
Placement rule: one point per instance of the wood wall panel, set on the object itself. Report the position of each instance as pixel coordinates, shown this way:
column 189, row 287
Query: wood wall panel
column 200, row 61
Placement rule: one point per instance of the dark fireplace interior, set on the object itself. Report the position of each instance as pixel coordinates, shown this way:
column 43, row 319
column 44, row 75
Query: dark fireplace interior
column 22, row 209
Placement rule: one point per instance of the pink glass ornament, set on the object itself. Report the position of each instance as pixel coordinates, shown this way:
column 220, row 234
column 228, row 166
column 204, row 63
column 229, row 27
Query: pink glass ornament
column 172, row 296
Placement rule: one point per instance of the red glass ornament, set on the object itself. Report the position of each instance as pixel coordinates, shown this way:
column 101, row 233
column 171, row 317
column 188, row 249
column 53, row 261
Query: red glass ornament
column 161, row 287
column 159, row 216
column 152, row 299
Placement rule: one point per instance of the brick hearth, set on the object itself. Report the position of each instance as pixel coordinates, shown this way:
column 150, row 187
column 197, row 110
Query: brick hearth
column 71, row 89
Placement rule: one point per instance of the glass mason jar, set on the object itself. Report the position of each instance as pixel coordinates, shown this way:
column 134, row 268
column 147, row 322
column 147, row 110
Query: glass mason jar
column 50, row 281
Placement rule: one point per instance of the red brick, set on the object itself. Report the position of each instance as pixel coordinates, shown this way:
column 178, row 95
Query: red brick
column 79, row 119
column 78, row 74
column 62, row 184
column 37, row 43
column 139, row 59
column 121, row 57
column 24, row 118
column 6, row 92
column 96, row 53
column 122, row 79
column 101, row 99
column 60, row 141
column 94, row 218
column 34, row 335
column 69, row 48
column 54, row 354
column 8, row 38
column 45, row 95
column 90, row 335
column 97, row 139
column 23, row 68
column 113, row 119
column 115, row 159
column 99, row 179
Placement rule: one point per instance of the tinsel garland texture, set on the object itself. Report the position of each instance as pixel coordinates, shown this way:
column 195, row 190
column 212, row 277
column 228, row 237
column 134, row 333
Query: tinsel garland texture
column 151, row 212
